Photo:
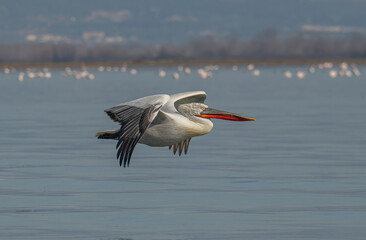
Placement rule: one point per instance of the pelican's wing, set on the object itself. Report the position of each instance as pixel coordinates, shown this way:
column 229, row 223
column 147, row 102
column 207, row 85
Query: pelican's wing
column 135, row 117
column 182, row 98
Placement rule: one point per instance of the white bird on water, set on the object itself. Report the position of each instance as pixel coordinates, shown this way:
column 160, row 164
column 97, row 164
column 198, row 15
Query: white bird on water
column 162, row 120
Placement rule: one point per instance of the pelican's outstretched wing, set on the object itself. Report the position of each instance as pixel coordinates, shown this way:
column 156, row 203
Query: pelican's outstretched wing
column 135, row 117
column 181, row 98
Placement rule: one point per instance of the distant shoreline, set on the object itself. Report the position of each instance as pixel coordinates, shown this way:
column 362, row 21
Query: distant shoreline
column 167, row 63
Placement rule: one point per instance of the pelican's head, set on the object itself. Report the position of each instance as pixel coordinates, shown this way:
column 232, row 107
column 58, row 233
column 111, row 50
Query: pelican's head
column 203, row 111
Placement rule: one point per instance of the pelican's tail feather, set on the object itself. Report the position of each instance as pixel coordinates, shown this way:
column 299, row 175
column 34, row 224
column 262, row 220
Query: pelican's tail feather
column 108, row 134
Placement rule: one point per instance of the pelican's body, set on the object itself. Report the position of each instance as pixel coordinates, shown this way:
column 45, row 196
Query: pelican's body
column 162, row 120
column 175, row 129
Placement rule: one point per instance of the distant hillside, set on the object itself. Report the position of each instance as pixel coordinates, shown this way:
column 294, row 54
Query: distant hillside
column 266, row 45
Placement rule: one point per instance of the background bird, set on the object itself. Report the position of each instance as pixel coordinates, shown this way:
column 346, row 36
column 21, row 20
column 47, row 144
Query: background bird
column 162, row 120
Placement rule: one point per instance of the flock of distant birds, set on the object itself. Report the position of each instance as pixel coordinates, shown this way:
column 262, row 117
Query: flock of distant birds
column 343, row 69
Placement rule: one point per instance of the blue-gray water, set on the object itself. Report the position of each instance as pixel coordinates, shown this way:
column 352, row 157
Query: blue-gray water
column 298, row 172
column 164, row 21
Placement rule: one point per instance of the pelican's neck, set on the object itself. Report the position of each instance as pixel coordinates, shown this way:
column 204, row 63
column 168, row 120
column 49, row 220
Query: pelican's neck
column 204, row 124
column 201, row 125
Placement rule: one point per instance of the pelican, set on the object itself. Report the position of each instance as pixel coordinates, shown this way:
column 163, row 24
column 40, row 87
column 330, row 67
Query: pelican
column 162, row 120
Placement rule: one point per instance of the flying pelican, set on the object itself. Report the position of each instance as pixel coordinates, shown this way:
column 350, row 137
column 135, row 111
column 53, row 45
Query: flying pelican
column 162, row 120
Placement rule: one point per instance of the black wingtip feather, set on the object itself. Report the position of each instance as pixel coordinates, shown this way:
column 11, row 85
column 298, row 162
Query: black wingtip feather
column 131, row 150
column 134, row 122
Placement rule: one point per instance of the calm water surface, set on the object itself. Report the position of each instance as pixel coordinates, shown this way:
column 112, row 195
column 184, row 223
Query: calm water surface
column 298, row 172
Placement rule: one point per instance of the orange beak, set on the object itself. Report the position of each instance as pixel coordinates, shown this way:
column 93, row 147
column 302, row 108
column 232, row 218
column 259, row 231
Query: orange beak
column 213, row 113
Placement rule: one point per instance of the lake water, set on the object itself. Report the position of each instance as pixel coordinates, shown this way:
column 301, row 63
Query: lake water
column 298, row 172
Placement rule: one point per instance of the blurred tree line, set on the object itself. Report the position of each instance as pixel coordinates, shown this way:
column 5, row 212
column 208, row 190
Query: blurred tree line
column 265, row 45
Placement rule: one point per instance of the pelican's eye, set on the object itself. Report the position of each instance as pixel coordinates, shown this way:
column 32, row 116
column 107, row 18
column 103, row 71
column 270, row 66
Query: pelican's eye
column 203, row 107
